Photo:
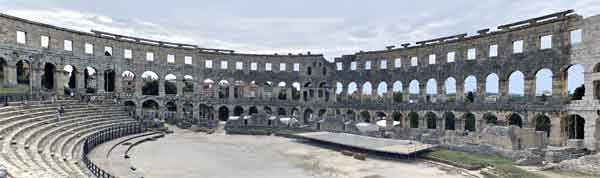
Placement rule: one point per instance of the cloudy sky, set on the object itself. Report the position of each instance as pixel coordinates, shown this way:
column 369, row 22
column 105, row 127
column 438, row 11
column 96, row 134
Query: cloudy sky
column 330, row 27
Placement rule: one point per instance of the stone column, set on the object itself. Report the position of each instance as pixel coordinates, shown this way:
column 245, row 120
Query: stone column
column 231, row 91
column 79, row 77
column 503, row 86
column 529, row 88
column 100, row 82
column 405, row 93
column 441, row 93
column 10, row 75
column 118, row 84
column 36, row 79
column 161, row 87
column 460, row 90
column 139, row 83
column 423, row 92
column 59, row 84
column 481, row 93
column 180, row 85
column 559, row 88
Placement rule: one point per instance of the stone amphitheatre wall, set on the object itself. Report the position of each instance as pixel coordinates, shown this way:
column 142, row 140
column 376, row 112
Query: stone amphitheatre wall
column 223, row 83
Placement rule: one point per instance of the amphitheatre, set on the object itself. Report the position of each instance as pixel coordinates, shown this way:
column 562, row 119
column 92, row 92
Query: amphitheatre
column 466, row 105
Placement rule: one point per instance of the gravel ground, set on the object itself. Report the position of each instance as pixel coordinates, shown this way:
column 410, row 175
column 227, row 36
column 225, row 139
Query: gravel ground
column 185, row 154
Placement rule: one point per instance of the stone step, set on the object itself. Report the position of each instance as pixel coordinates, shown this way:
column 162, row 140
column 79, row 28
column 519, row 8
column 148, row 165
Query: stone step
column 22, row 146
column 43, row 135
column 74, row 150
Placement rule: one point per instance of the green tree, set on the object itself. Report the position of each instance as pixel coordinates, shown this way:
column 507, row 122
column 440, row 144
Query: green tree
column 398, row 97
column 579, row 92
column 470, row 98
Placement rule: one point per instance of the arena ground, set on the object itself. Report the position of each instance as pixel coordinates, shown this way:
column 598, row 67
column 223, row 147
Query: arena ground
column 188, row 154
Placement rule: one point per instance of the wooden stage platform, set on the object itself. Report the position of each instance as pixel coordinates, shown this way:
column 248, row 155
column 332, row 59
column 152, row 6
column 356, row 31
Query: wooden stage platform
column 365, row 143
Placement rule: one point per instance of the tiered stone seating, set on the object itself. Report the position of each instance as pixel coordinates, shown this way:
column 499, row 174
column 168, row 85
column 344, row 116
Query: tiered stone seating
column 35, row 144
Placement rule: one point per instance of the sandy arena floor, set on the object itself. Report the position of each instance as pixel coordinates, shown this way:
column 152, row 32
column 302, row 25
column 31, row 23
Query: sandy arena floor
column 185, row 154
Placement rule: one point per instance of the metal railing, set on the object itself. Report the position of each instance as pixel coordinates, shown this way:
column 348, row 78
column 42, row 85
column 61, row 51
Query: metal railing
column 104, row 136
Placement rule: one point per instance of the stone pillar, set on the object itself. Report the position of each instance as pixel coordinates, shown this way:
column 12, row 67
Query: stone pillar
column 118, row 84
column 405, row 93
column 231, row 89
column 100, row 82
column 161, row 87
column 36, row 79
column 423, row 92
column 139, row 83
column 559, row 88
column 529, row 88
column 10, row 75
column 59, row 76
column 441, row 93
column 481, row 93
column 80, row 81
column 460, row 90
column 180, row 85
column 503, row 86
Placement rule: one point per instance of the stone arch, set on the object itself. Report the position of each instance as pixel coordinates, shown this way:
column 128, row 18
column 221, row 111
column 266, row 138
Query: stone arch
column 397, row 86
column 339, row 88
column 109, row 80
column 367, row 88
column 431, row 120
column 128, row 81
column 352, row 88
column 150, row 86
column 542, row 123
column 206, row 112
column 23, row 72
column 71, row 76
column 450, row 86
column 268, row 110
column 382, row 89
column 238, row 111
column 223, row 91
column 470, row 84
column 516, row 84
column 170, row 84
column 432, row 87
column 188, row 84
column 171, row 106
column 90, row 79
column 575, row 77
column 308, row 115
column 413, row 119
column 470, row 122
column 253, row 110
column 575, row 126
column 449, row 120
column 515, row 119
column 414, row 88
column 543, row 82
column 48, row 77
column 492, row 85
column 295, row 91
column 150, row 104
column 223, row 113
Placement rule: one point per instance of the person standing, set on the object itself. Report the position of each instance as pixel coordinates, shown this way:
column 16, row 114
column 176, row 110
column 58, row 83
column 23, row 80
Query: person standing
column 61, row 113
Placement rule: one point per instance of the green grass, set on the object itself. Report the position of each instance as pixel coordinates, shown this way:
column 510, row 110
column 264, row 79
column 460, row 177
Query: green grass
column 15, row 90
column 501, row 166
